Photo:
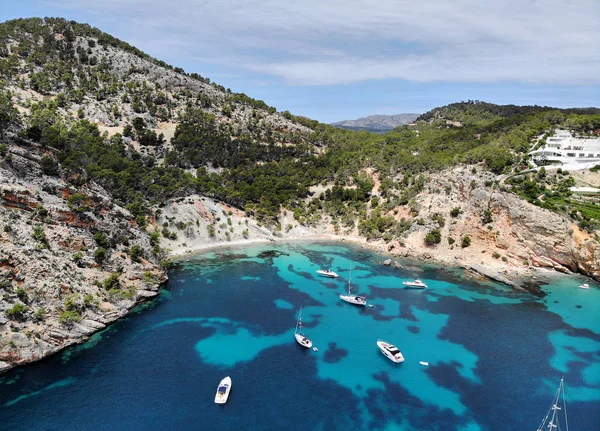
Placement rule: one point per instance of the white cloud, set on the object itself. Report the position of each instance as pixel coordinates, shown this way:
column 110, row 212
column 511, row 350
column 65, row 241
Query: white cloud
column 314, row 42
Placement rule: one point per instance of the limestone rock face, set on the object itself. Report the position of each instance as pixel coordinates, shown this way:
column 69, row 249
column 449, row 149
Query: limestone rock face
column 52, row 291
column 520, row 235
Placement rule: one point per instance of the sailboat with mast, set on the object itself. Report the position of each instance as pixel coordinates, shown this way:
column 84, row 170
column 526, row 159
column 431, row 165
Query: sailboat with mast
column 353, row 299
column 301, row 339
column 552, row 420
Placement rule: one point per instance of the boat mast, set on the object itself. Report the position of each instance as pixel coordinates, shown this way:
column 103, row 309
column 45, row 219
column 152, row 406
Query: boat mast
column 552, row 414
column 349, row 281
column 299, row 322
column 564, row 404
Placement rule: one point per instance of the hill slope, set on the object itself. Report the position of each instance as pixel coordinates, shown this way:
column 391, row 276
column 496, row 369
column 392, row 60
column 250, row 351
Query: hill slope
column 111, row 160
column 477, row 112
column 377, row 123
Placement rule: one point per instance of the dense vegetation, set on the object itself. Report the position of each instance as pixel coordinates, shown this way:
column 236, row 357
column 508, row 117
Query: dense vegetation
column 551, row 190
column 258, row 167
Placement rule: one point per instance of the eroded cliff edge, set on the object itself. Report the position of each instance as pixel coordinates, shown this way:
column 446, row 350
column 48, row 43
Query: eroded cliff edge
column 71, row 261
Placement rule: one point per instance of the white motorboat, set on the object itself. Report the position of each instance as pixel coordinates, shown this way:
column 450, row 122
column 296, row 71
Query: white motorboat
column 584, row 286
column 390, row 351
column 223, row 391
column 425, row 364
column 352, row 299
column 303, row 340
column 327, row 273
column 416, row 284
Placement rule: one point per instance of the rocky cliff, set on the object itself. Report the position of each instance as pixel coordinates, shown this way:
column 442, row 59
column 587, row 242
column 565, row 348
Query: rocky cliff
column 505, row 231
column 71, row 261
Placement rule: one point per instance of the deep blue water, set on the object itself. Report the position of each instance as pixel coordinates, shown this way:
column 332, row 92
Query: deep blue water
column 496, row 355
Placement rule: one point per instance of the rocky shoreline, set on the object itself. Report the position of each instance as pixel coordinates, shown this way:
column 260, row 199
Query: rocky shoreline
column 71, row 262
column 524, row 241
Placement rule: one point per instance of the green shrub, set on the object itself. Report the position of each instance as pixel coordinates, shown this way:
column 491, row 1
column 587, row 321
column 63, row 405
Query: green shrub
column 69, row 316
column 40, row 236
column 433, row 237
column 455, row 212
column 77, row 257
column 154, row 238
column 112, row 281
column 78, row 203
column 211, row 230
column 40, row 313
column 49, row 166
column 88, row 300
column 17, row 311
column 466, row 241
column 439, row 219
column 486, row 217
column 148, row 277
column 22, row 295
column 136, row 253
column 101, row 240
column 451, row 240
column 100, row 254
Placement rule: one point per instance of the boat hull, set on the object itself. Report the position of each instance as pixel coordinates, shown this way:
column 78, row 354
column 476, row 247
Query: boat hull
column 412, row 285
column 329, row 274
column 383, row 347
column 221, row 397
column 303, row 341
column 355, row 300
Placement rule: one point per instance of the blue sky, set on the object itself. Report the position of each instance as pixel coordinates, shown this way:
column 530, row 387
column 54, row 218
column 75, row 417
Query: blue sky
column 343, row 59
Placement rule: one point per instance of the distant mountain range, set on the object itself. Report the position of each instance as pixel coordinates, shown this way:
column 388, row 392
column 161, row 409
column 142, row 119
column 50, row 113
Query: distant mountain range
column 377, row 123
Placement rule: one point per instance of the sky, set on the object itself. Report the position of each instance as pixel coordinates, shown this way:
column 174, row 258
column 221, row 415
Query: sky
column 333, row 60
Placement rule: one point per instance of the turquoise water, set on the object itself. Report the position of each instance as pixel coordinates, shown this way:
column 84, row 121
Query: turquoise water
column 495, row 355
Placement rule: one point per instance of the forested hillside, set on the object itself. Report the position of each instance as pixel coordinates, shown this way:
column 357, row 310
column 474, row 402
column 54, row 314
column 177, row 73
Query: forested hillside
column 109, row 157
column 82, row 93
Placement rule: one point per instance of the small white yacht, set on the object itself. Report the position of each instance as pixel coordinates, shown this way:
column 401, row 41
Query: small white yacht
column 327, row 273
column 416, row 284
column 223, row 391
column 584, row 286
column 390, row 351
column 303, row 340
column 352, row 299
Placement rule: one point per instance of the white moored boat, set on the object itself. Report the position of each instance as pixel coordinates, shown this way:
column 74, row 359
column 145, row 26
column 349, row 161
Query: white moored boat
column 303, row 340
column 352, row 299
column 327, row 273
column 584, row 286
column 416, row 284
column 223, row 391
column 390, row 351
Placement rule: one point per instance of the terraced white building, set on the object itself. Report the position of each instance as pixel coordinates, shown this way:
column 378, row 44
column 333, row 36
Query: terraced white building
column 566, row 149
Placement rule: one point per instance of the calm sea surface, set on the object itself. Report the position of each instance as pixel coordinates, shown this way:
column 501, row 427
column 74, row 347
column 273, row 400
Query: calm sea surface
column 495, row 355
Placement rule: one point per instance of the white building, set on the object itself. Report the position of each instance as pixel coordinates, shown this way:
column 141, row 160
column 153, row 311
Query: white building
column 563, row 148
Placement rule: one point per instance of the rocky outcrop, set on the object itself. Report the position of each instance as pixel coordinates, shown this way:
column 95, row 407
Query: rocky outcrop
column 490, row 273
column 516, row 236
column 53, row 279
